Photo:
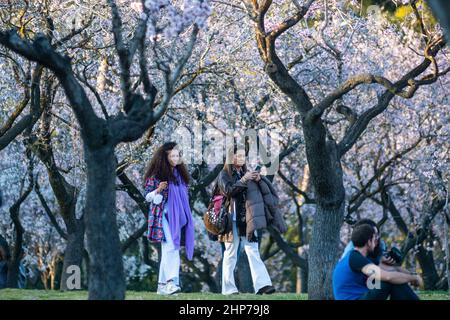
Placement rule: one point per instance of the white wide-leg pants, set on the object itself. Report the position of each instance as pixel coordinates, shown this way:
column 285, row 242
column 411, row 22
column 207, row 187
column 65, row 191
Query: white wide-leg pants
column 260, row 276
column 169, row 269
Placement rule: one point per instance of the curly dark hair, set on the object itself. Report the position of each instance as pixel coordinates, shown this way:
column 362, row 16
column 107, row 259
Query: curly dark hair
column 159, row 165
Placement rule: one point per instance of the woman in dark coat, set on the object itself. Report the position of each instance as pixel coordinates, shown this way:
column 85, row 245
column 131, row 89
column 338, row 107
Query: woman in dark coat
column 233, row 182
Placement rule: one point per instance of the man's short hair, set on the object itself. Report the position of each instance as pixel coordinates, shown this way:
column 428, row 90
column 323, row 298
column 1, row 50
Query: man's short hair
column 362, row 234
column 365, row 221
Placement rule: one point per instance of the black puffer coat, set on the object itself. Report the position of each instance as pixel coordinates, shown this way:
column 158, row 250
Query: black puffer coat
column 236, row 191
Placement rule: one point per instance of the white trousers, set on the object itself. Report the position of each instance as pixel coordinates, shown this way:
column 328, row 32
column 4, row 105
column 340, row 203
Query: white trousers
column 169, row 269
column 260, row 276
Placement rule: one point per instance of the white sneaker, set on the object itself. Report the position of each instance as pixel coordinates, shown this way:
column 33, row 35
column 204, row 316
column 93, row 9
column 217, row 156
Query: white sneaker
column 172, row 288
column 161, row 289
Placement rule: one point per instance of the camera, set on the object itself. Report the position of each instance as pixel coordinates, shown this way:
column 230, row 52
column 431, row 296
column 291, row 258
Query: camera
column 395, row 254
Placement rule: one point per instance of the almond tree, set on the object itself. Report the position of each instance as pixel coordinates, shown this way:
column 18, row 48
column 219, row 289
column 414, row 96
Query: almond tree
column 324, row 151
column 101, row 135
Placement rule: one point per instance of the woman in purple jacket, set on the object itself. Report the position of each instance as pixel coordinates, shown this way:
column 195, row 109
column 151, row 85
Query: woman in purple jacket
column 170, row 219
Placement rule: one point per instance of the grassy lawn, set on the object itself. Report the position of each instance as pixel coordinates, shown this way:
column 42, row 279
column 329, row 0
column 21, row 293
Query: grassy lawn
column 18, row 294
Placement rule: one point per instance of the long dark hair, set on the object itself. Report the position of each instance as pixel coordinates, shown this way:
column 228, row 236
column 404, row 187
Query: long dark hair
column 228, row 166
column 159, row 165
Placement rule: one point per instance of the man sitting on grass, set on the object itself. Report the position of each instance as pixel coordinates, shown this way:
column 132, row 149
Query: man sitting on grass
column 356, row 277
column 379, row 256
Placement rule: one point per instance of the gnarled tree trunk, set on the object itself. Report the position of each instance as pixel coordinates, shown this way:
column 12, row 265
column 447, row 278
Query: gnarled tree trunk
column 322, row 152
column 17, row 250
column 324, row 251
column 327, row 181
column 429, row 273
column 106, row 279
column 73, row 255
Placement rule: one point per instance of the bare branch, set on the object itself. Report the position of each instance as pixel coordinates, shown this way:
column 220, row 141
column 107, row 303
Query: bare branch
column 122, row 51
column 292, row 21
column 358, row 198
column 41, row 51
column 133, row 237
column 27, row 122
column 287, row 249
column 85, row 81
column 172, row 77
column 295, row 189
column 355, row 131
column 49, row 213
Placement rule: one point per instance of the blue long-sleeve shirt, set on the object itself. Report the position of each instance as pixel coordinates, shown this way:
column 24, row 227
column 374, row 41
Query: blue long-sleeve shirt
column 376, row 260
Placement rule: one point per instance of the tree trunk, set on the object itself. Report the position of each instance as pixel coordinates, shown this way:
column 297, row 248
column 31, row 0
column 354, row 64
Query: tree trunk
column 304, row 280
column 326, row 176
column 429, row 273
column 73, row 255
column 302, row 274
column 12, row 276
column 301, row 284
column 324, row 251
column 243, row 275
column 106, row 278
column 218, row 276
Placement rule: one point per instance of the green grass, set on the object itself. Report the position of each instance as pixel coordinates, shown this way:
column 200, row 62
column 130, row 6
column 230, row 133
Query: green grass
column 435, row 295
column 20, row 294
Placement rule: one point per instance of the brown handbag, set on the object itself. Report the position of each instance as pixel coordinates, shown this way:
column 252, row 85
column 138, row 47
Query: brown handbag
column 216, row 221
